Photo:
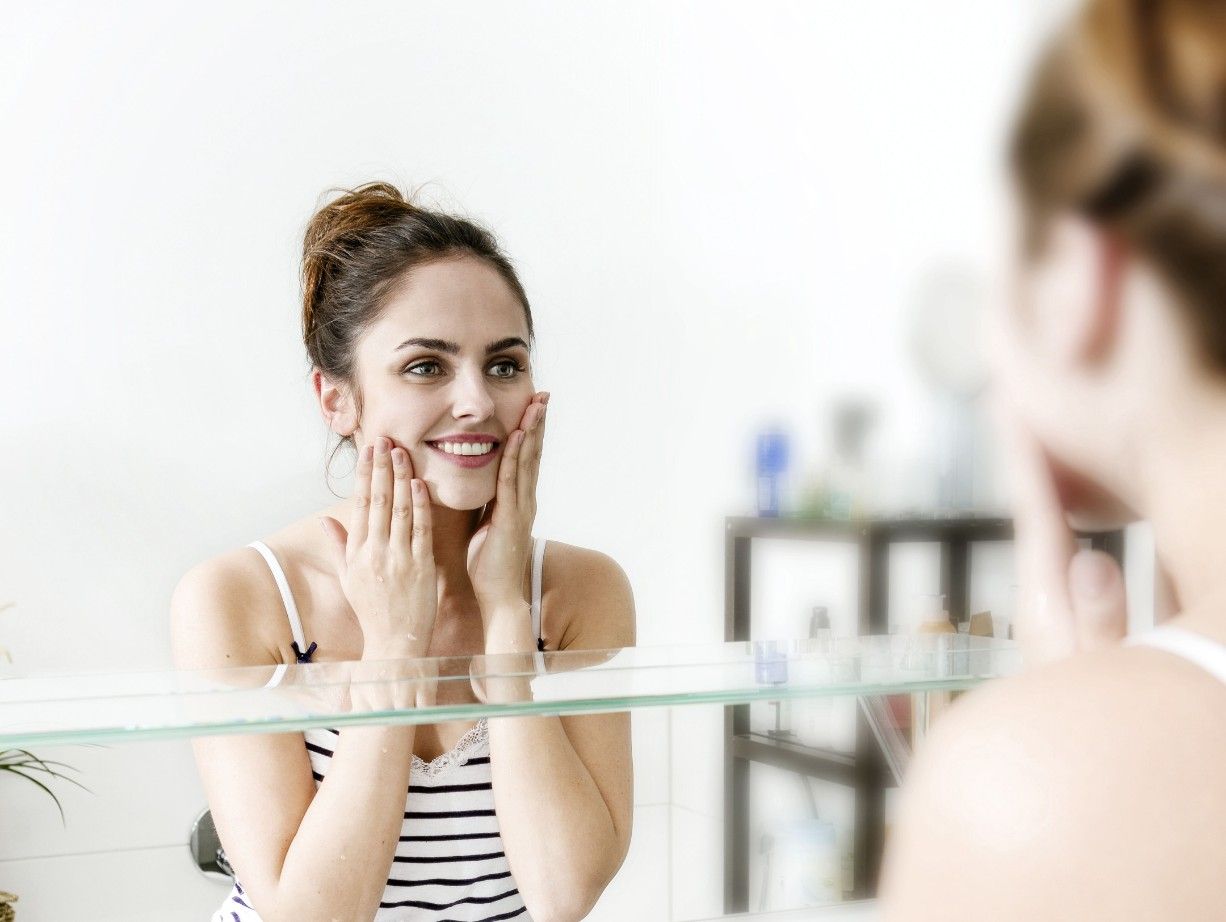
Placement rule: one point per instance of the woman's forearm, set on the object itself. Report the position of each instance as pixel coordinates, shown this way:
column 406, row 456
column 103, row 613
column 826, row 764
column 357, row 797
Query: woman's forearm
column 559, row 834
column 337, row 864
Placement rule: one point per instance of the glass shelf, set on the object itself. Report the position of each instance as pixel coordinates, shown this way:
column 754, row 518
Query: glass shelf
column 117, row 707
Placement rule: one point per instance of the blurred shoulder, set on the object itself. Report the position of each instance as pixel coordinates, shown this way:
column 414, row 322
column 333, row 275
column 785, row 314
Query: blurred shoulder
column 1084, row 789
column 586, row 599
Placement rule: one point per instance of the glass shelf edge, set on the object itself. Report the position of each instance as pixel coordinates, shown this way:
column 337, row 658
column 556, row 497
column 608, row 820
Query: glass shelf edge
column 576, row 707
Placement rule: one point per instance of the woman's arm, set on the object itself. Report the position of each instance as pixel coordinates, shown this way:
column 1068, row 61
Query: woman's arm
column 564, row 786
column 301, row 853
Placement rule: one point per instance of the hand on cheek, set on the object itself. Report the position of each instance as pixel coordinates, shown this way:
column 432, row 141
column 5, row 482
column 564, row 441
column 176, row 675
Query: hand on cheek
column 1071, row 600
column 498, row 551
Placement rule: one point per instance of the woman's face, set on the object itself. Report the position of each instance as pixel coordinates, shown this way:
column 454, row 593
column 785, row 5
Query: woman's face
column 446, row 366
column 1065, row 368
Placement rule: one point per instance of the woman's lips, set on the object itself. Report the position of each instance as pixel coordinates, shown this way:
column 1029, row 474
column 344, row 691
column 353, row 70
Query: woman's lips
column 467, row 460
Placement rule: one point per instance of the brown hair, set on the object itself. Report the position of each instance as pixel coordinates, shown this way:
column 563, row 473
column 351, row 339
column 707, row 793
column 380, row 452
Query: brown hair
column 1124, row 123
column 356, row 249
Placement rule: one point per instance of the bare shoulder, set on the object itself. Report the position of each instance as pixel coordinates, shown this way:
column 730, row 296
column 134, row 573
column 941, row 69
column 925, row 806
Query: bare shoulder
column 586, row 599
column 1087, row 789
column 218, row 613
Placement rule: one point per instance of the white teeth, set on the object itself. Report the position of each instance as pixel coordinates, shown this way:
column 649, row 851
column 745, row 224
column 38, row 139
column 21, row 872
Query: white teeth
column 466, row 448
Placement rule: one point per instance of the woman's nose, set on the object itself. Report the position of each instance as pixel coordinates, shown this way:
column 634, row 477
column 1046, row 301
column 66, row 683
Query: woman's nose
column 472, row 397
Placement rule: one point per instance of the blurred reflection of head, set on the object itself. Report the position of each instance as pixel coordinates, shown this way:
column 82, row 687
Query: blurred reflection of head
column 1113, row 349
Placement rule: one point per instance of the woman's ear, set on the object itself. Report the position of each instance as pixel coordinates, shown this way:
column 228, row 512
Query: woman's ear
column 335, row 403
column 1078, row 281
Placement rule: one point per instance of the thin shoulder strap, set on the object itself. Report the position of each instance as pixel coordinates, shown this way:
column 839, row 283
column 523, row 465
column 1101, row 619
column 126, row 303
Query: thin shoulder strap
column 295, row 623
column 538, row 565
column 1201, row 650
column 278, row 574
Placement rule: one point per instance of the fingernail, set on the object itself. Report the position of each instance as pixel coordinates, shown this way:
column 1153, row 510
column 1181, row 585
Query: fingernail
column 1091, row 575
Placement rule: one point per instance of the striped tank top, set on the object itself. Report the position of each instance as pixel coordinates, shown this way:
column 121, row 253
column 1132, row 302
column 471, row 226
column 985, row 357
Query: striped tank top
column 449, row 865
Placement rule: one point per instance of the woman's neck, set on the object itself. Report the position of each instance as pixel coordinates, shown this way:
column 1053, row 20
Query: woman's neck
column 453, row 528
column 1183, row 486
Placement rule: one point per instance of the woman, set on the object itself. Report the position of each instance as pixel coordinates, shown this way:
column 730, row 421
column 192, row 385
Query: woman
column 419, row 334
column 1091, row 787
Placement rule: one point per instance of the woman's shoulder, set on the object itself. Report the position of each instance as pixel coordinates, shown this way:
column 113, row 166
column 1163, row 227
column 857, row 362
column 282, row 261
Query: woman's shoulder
column 586, row 598
column 221, row 612
column 1051, row 786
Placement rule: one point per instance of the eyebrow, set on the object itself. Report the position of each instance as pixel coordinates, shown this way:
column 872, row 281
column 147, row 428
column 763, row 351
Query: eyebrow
column 443, row 345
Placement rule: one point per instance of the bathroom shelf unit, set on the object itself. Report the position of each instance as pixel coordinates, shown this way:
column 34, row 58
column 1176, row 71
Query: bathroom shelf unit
column 865, row 769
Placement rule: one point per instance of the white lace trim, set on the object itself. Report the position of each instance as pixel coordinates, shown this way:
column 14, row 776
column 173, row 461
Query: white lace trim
column 475, row 737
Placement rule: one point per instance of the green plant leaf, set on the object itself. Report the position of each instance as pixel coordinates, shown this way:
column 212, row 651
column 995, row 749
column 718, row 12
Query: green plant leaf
column 15, row 759
column 63, row 819
column 28, row 766
column 46, row 762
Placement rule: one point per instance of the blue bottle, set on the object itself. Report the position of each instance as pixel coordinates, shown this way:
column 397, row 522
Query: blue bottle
column 772, row 468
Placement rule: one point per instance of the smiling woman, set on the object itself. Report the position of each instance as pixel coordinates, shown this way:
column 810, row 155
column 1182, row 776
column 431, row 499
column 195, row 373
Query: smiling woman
column 420, row 339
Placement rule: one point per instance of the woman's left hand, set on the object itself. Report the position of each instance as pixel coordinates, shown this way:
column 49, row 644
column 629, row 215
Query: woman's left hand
column 498, row 550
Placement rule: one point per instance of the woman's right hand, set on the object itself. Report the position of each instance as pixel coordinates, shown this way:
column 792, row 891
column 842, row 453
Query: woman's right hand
column 1072, row 600
column 385, row 561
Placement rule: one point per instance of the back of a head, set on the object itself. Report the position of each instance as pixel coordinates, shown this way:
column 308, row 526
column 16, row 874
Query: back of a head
column 1124, row 123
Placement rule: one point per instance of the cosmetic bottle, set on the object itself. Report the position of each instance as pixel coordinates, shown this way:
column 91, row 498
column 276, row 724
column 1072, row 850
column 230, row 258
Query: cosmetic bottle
column 847, row 487
column 819, row 626
column 936, row 617
column 773, row 452
column 980, row 659
column 981, row 624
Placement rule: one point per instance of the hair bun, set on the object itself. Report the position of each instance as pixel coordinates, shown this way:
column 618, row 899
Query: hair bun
column 333, row 229
column 1167, row 61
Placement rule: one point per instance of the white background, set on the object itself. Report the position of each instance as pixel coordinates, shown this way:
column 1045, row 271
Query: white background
column 721, row 213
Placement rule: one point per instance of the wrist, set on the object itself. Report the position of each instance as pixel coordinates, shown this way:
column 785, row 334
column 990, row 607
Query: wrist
column 399, row 648
column 503, row 607
column 508, row 629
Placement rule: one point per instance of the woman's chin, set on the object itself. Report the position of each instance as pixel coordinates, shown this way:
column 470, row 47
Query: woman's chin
column 463, row 498
column 1087, row 504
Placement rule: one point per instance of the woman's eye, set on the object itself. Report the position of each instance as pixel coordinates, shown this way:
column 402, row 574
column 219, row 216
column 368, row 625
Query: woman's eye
column 423, row 369
column 507, row 369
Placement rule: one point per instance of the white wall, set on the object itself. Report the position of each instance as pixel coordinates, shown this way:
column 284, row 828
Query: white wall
column 719, row 210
